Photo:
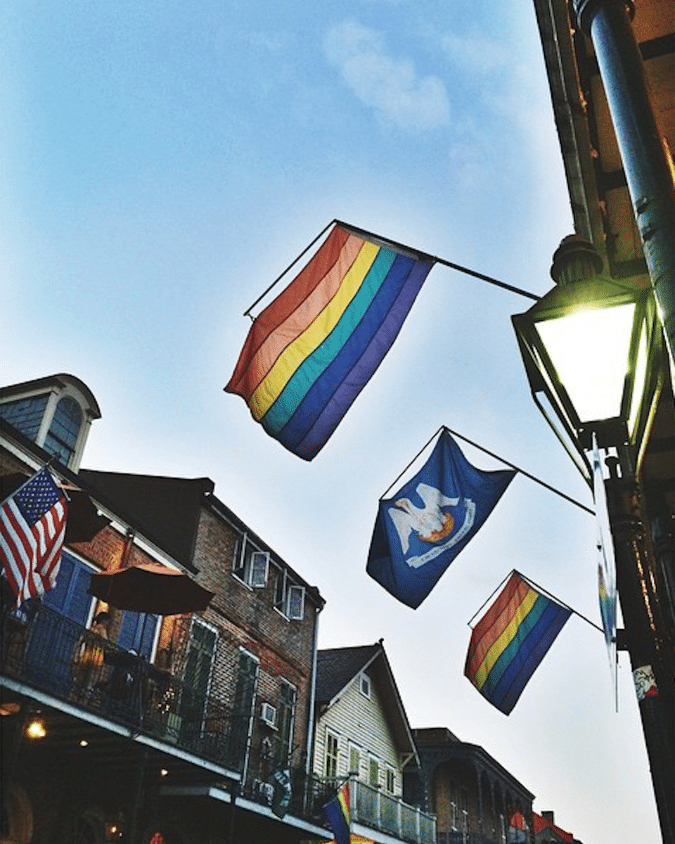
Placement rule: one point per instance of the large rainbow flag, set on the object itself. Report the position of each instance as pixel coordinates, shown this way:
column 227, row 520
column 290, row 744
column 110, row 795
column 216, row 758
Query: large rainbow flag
column 510, row 641
column 313, row 349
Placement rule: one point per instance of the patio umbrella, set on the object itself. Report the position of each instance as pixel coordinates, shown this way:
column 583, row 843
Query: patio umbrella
column 150, row 588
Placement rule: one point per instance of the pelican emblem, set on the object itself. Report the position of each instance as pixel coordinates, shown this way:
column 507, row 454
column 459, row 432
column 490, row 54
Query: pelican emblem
column 430, row 523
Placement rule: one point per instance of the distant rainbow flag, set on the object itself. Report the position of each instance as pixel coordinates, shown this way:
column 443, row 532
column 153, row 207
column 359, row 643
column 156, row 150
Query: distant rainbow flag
column 311, row 351
column 338, row 815
column 510, row 641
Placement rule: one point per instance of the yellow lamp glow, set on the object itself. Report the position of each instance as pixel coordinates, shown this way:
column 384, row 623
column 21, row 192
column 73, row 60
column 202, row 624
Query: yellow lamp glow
column 592, row 351
column 35, row 729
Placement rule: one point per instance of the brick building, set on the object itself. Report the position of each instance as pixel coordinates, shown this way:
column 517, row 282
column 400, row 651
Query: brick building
column 175, row 733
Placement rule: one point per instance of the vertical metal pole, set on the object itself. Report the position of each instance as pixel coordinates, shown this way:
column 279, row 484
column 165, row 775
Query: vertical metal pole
column 650, row 652
column 646, row 161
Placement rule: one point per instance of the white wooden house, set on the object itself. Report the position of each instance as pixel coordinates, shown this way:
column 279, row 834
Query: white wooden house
column 362, row 734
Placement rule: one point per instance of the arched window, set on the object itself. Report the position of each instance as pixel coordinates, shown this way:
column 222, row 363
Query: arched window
column 64, row 430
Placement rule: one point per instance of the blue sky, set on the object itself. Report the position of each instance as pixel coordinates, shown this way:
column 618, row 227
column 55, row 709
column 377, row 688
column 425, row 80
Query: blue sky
column 164, row 161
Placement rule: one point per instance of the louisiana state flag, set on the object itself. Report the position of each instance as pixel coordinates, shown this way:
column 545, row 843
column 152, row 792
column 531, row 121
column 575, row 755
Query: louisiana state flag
column 313, row 349
column 338, row 815
column 510, row 641
column 422, row 528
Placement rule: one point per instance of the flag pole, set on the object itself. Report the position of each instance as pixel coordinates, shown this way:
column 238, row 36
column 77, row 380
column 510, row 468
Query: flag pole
column 557, row 600
column 247, row 312
column 400, row 247
column 522, row 471
column 411, row 462
column 490, row 597
column 425, row 255
column 42, row 468
column 538, row 588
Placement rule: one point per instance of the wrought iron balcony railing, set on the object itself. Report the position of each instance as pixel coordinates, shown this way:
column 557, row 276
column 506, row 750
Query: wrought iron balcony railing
column 61, row 658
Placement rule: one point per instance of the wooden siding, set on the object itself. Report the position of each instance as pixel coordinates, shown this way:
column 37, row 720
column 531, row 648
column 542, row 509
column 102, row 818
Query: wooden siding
column 360, row 721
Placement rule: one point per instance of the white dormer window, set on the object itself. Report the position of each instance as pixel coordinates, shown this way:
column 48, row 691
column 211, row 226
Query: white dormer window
column 364, row 685
column 54, row 412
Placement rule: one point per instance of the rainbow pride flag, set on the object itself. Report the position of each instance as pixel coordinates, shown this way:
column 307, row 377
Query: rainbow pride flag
column 338, row 815
column 311, row 351
column 510, row 641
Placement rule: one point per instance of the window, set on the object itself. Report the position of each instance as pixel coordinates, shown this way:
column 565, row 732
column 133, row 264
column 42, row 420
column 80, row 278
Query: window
column 201, row 649
column 71, row 599
column 286, row 718
column 242, row 707
column 289, row 598
column 196, row 680
column 137, row 632
column 332, row 753
column 390, row 780
column 64, row 430
column 365, row 685
column 354, row 760
column 250, row 564
column 373, row 771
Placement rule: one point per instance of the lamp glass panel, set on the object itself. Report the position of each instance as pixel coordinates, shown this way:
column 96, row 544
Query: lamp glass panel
column 589, row 350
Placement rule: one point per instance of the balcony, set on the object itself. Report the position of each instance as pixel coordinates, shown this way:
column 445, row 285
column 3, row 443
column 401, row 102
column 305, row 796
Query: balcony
column 370, row 808
column 61, row 659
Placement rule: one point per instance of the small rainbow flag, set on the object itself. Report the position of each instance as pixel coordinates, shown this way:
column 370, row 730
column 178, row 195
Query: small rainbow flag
column 338, row 815
column 312, row 350
column 510, row 641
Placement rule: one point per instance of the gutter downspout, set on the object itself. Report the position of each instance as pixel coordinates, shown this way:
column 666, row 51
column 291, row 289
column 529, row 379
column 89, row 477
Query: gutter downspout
column 312, row 697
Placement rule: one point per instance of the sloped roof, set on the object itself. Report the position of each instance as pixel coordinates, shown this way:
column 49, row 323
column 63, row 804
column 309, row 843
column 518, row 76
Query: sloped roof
column 165, row 509
column 60, row 379
column 338, row 668
column 541, row 823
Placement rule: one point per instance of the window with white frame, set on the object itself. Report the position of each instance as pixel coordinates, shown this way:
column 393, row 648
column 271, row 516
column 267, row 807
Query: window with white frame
column 390, row 780
column 332, row 754
column 364, row 685
column 289, row 597
column 250, row 564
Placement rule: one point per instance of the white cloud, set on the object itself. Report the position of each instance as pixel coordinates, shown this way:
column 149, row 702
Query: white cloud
column 388, row 84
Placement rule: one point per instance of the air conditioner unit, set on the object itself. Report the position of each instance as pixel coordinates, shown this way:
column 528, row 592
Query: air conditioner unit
column 268, row 714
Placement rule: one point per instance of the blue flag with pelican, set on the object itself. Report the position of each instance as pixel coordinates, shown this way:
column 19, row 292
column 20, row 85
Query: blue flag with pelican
column 422, row 528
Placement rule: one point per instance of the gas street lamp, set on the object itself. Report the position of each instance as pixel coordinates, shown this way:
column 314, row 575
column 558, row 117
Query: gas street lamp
column 595, row 361
column 593, row 355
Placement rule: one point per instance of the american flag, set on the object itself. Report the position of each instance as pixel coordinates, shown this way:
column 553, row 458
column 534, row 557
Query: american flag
column 32, row 528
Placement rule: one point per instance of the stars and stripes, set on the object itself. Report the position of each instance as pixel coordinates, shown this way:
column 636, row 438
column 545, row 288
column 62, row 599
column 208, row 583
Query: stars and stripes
column 32, row 529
